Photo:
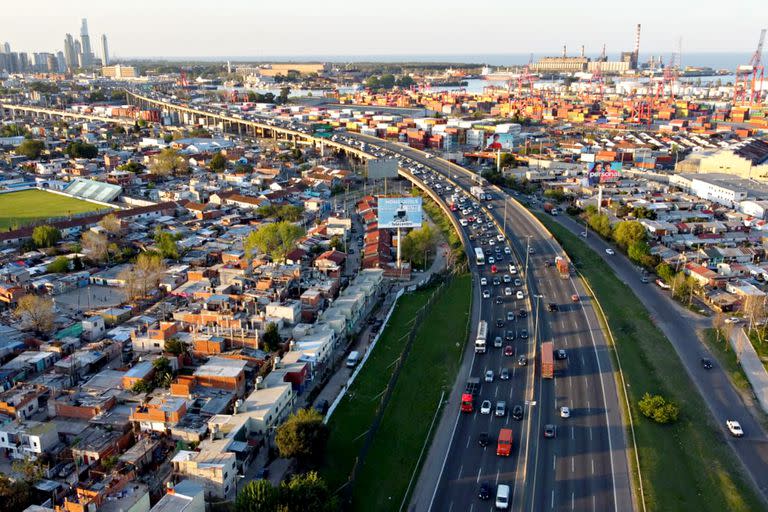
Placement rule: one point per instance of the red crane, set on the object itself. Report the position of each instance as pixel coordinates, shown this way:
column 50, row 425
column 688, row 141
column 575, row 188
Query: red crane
column 748, row 86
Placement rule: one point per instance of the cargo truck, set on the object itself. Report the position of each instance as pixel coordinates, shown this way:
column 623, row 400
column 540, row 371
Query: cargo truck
column 562, row 267
column 470, row 392
column 550, row 208
column 478, row 192
column 482, row 337
column 504, row 444
column 547, row 360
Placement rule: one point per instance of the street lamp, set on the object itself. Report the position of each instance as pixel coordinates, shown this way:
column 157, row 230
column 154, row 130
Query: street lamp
column 536, row 321
column 527, row 253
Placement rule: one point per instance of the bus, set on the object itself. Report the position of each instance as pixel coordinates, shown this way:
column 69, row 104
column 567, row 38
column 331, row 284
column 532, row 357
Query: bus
column 547, row 360
column 504, row 445
column 479, row 256
column 482, row 337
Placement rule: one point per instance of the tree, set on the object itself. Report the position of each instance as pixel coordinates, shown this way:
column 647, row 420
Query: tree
column 142, row 276
column 627, row 232
column 640, row 253
column 79, row 149
column 166, row 243
column 508, row 160
column 337, row 243
column 58, row 266
column 417, row 244
column 168, row 162
column 31, row 471
column 45, row 236
column 31, row 148
column 303, row 436
column 271, row 339
column 555, row 194
column 275, row 239
column 406, row 81
column 307, row 491
column 387, row 81
column 163, row 373
column 131, row 166
column 111, row 224
column 36, row 313
column 95, row 246
column 657, row 408
column 14, row 496
column 284, row 93
column 600, row 224
column 175, row 346
column 665, row 272
column 257, row 496
column 218, row 162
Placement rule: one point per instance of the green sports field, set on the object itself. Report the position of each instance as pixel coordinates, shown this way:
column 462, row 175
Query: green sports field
column 20, row 208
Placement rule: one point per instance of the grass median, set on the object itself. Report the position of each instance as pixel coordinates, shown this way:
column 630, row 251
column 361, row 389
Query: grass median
column 429, row 369
column 685, row 466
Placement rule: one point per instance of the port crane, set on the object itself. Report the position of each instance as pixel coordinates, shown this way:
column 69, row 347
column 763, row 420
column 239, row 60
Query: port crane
column 748, row 86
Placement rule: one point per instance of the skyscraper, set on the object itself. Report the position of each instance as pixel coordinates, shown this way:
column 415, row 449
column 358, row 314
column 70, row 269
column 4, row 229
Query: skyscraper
column 104, row 51
column 70, row 54
column 85, row 42
column 7, row 47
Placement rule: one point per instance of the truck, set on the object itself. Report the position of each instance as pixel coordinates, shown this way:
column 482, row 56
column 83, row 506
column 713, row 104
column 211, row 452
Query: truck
column 504, row 444
column 482, row 337
column 478, row 192
column 470, row 392
column 562, row 267
column 547, row 360
column 551, row 209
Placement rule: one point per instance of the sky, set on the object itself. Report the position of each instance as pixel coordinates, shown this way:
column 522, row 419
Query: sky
column 294, row 28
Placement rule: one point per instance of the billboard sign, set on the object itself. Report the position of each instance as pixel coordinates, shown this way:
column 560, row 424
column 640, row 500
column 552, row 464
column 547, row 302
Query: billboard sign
column 600, row 173
column 400, row 212
column 380, row 168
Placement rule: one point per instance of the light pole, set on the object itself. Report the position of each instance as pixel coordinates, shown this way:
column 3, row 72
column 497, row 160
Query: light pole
column 505, row 217
column 536, row 321
column 527, row 253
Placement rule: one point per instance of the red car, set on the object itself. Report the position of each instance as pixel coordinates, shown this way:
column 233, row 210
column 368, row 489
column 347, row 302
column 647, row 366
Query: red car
column 494, row 269
column 509, row 351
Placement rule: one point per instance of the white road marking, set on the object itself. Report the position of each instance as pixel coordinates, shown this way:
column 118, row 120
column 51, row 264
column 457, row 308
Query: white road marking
column 450, row 506
column 593, row 466
column 590, row 434
column 554, row 463
column 573, row 464
column 460, row 469
column 479, row 470
column 573, row 500
column 552, row 504
column 573, row 433
column 469, row 438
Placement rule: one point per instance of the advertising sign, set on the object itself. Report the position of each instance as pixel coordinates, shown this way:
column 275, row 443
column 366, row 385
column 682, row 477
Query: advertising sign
column 381, row 168
column 400, row 212
column 600, row 173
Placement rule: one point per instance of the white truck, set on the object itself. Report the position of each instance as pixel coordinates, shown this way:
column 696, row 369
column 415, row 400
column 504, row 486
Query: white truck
column 478, row 192
column 482, row 337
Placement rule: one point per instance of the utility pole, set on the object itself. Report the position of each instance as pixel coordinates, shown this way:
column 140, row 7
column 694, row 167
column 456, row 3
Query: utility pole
column 536, row 321
column 527, row 253
column 504, row 231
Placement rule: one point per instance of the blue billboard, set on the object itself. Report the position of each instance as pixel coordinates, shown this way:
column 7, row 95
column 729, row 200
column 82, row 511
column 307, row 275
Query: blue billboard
column 400, row 212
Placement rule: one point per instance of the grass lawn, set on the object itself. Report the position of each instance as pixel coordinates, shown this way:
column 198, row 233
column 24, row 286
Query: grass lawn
column 20, row 208
column 685, row 466
column 430, row 368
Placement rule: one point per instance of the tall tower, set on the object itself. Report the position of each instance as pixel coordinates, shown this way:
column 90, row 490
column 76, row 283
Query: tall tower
column 70, row 55
column 104, row 51
column 7, row 47
column 85, row 42
column 637, row 46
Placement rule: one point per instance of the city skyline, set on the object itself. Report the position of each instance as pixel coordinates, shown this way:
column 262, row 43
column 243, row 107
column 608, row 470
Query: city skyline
column 241, row 30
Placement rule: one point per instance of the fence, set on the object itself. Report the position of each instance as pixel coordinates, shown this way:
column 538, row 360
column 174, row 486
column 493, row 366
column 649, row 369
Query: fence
column 371, row 434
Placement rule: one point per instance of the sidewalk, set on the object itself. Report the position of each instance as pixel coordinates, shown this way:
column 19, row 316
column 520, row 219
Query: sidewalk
column 750, row 362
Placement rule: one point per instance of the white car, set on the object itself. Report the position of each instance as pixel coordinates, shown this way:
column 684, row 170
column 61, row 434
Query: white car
column 507, row 250
column 500, row 237
column 508, row 291
column 491, row 260
column 489, row 376
column 735, row 428
column 463, row 222
column 486, row 294
column 733, row 320
column 519, row 295
column 565, row 412
column 610, row 252
column 485, row 407
column 491, row 242
column 483, row 281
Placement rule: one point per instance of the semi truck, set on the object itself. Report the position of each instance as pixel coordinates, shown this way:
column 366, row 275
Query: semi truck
column 551, row 209
column 504, row 444
column 470, row 392
column 562, row 267
column 482, row 337
column 547, row 360
column 478, row 192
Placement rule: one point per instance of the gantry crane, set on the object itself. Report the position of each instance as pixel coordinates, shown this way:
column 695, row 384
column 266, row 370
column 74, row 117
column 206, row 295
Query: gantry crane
column 748, row 86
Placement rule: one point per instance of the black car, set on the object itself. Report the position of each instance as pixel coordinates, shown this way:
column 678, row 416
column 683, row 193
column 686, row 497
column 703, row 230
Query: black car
column 499, row 323
column 509, row 335
column 523, row 334
column 547, row 263
column 485, row 491
column 549, row 431
column 517, row 412
column 706, row 363
column 483, row 439
column 499, row 300
column 561, row 354
column 523, row 313
column 322, row 407
column 552, row 307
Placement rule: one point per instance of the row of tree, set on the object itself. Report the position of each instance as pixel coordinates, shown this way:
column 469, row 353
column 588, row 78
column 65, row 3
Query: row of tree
column 388, row 81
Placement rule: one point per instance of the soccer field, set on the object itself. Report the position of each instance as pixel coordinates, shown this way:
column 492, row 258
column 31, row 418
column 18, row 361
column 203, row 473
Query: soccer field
column 20, row 208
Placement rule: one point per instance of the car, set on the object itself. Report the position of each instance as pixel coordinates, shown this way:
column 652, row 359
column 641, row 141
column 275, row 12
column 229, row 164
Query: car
column 561, row 354
column 499, row 300
column 510, row 316
column 519, row 295
column 504, row 374
column 497, row 341
column 494, row 268
column 485, row 407
column 518, row 282
column 735, row 428
column 522, row 361
column 523, row 313
column 565, row 412
column 508, row 291
column 507, row 250
column 484, row 493
column 502, row 496
column 262, row 474
column 706, row 363
column 547, row 263
column 509, row 351
column 549, row 431
column 523, row 334
column 489, row 376
column 491, row 242
column 482, row 439
column 499, row 323
column 733, row 320
column 512, row 269
column 531, row 250
column 500, row 237
column 501, row 409
column 610, row 252
column 552, row 307
column 517, row 412
column 496, row 281
column 574, row 298
column 483, row 281
column 486, row 294
column 509, row 335
column 322, row 407
column 463, row 222
column 507, row 278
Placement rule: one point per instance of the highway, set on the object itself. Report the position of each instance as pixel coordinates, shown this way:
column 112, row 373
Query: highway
column 585, row 467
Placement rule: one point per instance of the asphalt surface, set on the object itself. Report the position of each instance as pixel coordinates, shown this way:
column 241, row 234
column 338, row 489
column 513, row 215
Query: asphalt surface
column 716, row 389
column 585, row 467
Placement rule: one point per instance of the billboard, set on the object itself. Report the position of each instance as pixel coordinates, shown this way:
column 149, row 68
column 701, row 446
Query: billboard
column 380, row 168
column 600, row 173
column 400, row 212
